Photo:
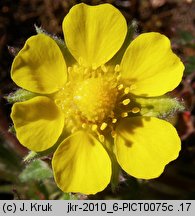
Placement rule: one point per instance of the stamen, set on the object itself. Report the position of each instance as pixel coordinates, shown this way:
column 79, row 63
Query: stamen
column 114, row 120
column 67, row 85
column 127, row 90
column 118, row 77
column 132, row 87
column 73, row 130
column 75, row 68
column 113, row 134
column 124, row 114
column 84, row 125
column 96, row 102
column 126, row 102
column 94, row 127
column 81, row 61
column 57, row 101
column 135, row 110
column 103, row 126
column 99, row 74
column 86, row 71
column 69, row 69
column 120, row 87
column 117, row 68
column 103, row 67
column 101, row 138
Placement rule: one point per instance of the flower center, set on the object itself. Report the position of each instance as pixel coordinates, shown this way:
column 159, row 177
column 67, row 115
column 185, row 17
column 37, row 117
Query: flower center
column 95, row 98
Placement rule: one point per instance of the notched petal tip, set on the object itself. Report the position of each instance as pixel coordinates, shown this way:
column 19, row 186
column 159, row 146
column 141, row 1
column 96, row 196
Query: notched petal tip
column 150, row 64
column 38, row 123
column 90, row 33
column 39, row 67
column 145, row 145
column 81, row 164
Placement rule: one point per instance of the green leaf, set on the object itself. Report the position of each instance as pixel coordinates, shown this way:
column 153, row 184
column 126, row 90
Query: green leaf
column 37, row 155
column 161, row 107
column 12, row 129
column 186, row 37
column 10, row 163
column 8, row 158
column 37, row 170
column 31, row 156
column 190, row 66
column 19, row 96
column 69, row 196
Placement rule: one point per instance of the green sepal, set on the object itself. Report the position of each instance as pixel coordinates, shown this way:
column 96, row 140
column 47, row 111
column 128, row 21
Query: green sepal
column 69, row 196
column 161, row 107
column 129, row 37
column 12, row 129
column 19, row 96
column 116, row 170
column 67, row 55
column 31, row 156
column 37, row 170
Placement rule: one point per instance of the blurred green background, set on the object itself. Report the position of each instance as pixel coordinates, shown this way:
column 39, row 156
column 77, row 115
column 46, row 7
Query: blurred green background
column 175, row 19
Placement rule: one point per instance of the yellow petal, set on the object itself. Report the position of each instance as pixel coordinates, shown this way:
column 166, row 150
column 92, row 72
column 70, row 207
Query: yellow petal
column 39, row 66
column 38, row 123
column 81, row 164
column 145, row 145
column 150, row 65
column 94, row 34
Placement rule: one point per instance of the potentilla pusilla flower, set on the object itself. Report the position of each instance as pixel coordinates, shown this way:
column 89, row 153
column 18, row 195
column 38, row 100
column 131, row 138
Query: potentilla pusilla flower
column 90, row 106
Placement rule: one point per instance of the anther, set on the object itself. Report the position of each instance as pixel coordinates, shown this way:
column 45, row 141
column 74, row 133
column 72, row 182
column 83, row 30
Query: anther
column 86, row 71
column 117, row 68
column 94, row 127
column 67, row 85
column 80, row 61
column 114, row 120
column 126, row 90
column 75, row 67
column 57, row 101
column 120, row 87
column 132, row 87
column 101, row 138
column 118, row 77
column 103, row 126
column 124, row 114
column 103, row 67
column 73, row 130
column 126, row 102
column 84, row 125
column 113, row 134
column 135, row 110
column 69, row 69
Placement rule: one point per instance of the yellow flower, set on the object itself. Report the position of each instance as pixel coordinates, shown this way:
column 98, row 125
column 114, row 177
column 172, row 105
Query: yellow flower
column 91, row 100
